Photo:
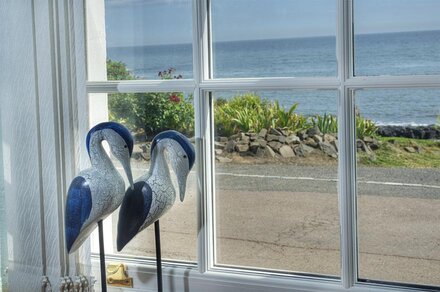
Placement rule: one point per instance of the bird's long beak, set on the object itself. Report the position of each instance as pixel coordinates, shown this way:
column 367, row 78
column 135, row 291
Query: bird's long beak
column 181, row 179
column 127, row 168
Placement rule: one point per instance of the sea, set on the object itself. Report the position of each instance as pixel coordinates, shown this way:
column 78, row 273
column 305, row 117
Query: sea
column 389, row 54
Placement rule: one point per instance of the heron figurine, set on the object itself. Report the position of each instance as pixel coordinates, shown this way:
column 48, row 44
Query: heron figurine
column 97, row 191
column 154, row 193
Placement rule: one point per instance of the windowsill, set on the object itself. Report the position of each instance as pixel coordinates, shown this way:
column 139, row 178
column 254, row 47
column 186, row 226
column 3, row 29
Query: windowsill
column 179, row 276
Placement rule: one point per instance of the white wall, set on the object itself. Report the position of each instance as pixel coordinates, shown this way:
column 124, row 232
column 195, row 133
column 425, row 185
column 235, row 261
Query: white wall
column 39, row 120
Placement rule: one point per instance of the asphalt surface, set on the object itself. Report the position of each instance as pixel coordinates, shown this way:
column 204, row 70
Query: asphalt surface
column 286, row 217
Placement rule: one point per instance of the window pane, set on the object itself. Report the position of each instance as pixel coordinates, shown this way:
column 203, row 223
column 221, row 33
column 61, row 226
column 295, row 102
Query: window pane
column 398, row 152
column 396, row 37
column 139, row 112
column 267, row 38
column 276, row 201
column 3, row 232
column 148, row 37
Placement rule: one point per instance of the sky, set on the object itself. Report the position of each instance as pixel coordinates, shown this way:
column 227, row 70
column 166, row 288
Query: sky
column 154, row 22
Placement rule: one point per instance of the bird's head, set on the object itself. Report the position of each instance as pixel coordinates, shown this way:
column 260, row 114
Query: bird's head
column 181, row 154
column 120, row 141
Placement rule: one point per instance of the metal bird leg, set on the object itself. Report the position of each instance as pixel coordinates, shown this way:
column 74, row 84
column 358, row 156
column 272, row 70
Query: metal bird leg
column 158, row 256
column 102, row 257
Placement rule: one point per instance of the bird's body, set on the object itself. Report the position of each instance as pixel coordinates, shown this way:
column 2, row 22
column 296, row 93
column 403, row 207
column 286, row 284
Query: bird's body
column 99, row 190
column 154, row 193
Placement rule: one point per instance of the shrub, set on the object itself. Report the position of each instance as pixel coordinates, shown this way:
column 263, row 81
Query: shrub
column 249, row 112
column 150, row 112
column 326, row 123
column 365, row 127
column 329, row 124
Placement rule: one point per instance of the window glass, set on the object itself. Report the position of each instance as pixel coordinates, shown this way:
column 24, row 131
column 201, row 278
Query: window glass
column 148, row 37
column 3, row 236
column 267, row 38
column 276, row 202
column 398, row 153
column 396, row 37
column 145, row 115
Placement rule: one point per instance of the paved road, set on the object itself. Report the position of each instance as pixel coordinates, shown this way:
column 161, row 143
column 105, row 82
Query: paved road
column 286, row 217
column 423, row 183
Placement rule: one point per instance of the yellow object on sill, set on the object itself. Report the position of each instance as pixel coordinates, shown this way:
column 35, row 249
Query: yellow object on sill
column 117, row 276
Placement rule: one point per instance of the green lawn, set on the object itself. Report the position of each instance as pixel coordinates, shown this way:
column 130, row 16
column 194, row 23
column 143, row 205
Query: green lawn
column 392, row 153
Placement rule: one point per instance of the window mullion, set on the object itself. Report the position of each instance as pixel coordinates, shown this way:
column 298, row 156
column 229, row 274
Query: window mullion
column 347, row 158
column 201, row 69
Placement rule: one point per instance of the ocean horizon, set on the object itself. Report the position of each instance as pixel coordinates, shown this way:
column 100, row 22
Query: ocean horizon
column 395, row 53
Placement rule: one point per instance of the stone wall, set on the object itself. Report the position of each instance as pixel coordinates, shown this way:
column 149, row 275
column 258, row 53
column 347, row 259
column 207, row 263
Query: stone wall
column 284, row 144
column 421, row 132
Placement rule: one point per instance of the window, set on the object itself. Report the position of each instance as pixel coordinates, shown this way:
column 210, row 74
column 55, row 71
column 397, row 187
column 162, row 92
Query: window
column 243, row 42
column 393, row 38
column 316, row 129
column 398, row 185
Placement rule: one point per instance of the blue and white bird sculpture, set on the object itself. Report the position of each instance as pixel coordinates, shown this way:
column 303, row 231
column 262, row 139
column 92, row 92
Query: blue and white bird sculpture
column 97, row 191
column 154, row 193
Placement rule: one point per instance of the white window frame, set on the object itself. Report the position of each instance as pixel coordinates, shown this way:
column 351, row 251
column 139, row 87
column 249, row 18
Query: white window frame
column 205, row 273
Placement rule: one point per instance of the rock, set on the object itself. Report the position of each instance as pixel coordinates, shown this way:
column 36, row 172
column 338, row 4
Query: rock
column 371, row 142
column 275, row 132
column 285, row 132
column 223, row 159
column 261, row 152
column 310, row 142
column 271, row 137
column 373, row 146
column 282, row 139
column 361, row 145
column 219, row 145
column 146, row 156
column 410, row 149
column 302, row 150
column 136, row 155
column 286, row 151
column 328, row 138
column 263, row 133
column 253, row 136
column 218, row 151
column 313, row 131
column 254, row 146
column 302, row 135
column 262, row 142
column 335, row 143
column 293, row 139
column 420, row 132
column 275, row 145
column 145, row 147
column 230, row 147
column 235, row 137
column 368, row 139
column 245, row 140
column 223, row 139
column 307, row 149
column 317, row 138
column 269, row 152
column 328, row 149
column 242, row 147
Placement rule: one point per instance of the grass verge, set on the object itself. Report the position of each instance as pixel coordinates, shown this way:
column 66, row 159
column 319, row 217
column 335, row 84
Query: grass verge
column 392, row 153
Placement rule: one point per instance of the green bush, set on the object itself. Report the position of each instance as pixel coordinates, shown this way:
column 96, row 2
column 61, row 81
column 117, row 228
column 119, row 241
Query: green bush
column 329, row 124
column 150, row 112
column 365, row 127
column 249, row 112
column 326, row 123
